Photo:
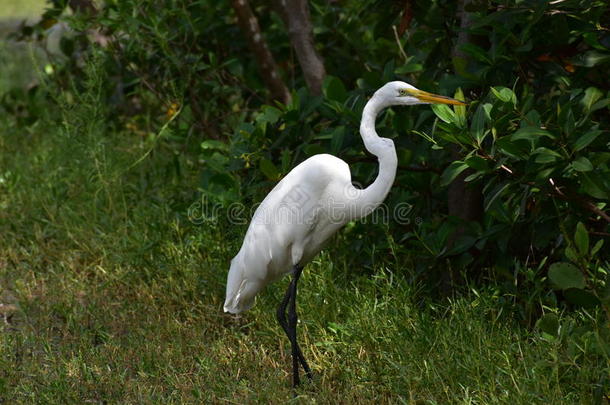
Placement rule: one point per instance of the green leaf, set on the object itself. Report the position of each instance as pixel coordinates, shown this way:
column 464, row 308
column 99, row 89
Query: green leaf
column 474, row 176
column 216, row 160
column 219, row 186
column 531, row 134
column 549, row 323
column 445, row 113
column 460, row 110
column 425, row 136
column 592, row 58
column 571, row 254
column 593, row 186
column 313, row 149
column 604, row 292
column 211, row 144
column 476, row 52
column 597, row 247
column 592, row 94
column 334, row 89
column 495, row 193
column 511, row 148
column 269, row 169
column 582, row 164
column 532, row 118
column 336, row 141
column 269, row 114
column 544, row 174
column 566, row 119
column 408, row 68
column 477, row 163
column 480, row 118
column 504, row 94
column 452, row 171
column 600, row 104
column 565, row 275
column 591, row 39
column 581, row 238
column 586, row 139
column 581, row 297
column 477, row 125
column 487, row 107
column 545, row 155
column 286, row 160
column 462, row 244
column 405, row 155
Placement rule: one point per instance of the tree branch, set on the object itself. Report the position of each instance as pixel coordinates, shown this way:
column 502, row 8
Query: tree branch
column 296, row 16
column 572, row 196
column 248, row 23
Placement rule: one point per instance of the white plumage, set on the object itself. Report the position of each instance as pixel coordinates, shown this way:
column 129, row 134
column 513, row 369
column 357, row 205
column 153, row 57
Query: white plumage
column 289, row 227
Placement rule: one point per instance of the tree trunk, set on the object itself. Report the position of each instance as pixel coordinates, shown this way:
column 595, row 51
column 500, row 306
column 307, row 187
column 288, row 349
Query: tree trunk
column 248, row 23
column 295, row 14
column 463, row 35
column 465, row 200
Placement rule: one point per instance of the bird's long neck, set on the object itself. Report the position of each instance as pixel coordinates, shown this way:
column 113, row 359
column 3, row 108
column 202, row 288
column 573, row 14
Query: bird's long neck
column 372, row 196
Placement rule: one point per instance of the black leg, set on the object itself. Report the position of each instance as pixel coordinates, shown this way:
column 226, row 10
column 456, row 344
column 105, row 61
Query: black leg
column 293, row 314
column 289, row 325
column 292, row 333
column 283, row 321
column 281, row 310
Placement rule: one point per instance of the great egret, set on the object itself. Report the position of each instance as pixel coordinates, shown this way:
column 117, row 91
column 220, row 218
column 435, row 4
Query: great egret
column 309, row 205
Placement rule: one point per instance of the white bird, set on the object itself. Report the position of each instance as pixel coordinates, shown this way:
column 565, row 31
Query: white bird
column 308, row 206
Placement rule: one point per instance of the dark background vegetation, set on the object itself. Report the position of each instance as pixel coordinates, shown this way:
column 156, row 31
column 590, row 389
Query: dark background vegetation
column 143, row 114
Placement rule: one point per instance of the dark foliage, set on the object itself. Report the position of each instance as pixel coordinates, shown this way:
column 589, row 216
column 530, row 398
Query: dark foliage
column 534, row 138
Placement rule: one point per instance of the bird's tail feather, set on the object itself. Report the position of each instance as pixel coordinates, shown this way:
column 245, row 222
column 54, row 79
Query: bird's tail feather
column 240, row 290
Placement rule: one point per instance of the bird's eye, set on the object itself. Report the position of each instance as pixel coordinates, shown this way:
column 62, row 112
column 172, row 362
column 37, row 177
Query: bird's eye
column 403, row 92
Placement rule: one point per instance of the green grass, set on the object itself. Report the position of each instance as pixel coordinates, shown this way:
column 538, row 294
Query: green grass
column 109, row 294
column 15, row 59
column 21, row 9
column 16, row 77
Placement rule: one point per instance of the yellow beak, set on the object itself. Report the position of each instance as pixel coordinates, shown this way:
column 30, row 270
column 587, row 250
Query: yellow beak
column 434, row 98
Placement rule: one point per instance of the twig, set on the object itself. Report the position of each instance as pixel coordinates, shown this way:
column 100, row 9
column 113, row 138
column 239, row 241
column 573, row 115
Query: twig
column 558, row 192
column 584, row 202
column 400, row 48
